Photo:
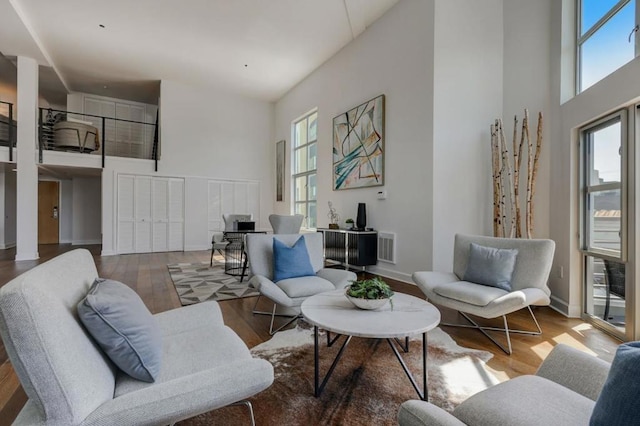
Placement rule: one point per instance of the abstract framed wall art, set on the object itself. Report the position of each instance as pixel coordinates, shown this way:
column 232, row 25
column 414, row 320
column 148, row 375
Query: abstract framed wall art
column 358, row 146
column 280, row 157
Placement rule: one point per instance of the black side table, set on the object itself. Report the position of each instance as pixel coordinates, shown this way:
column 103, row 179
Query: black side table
column 235, row 258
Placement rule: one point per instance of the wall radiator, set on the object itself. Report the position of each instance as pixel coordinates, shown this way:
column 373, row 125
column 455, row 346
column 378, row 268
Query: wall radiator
column 387, row 247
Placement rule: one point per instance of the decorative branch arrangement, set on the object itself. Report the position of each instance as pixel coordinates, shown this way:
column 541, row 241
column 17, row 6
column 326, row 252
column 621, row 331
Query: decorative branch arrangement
column 507, row 220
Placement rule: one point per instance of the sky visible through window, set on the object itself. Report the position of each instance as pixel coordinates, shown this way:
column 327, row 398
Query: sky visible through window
column 608, row 49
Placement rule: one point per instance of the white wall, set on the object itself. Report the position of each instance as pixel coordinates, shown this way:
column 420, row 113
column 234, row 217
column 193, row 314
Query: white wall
column 87, row 208
column 393, row 57
column 467, row 97
column 527, row 84
column 10, row 199
column 66, row 211
column 218, row 135
column 204, row 134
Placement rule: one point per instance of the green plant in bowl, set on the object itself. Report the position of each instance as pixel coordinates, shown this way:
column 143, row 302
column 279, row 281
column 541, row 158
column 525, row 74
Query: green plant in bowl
column 371, row 289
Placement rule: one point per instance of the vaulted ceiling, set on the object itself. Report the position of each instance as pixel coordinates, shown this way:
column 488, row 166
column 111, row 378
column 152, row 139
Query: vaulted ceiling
column 122, row 48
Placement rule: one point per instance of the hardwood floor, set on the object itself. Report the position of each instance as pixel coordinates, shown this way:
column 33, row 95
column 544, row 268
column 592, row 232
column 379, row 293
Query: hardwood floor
column 148, row 275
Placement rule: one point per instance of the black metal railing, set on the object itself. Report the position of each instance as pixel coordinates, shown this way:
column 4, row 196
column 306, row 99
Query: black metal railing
column 88, row 133
column 8, row 127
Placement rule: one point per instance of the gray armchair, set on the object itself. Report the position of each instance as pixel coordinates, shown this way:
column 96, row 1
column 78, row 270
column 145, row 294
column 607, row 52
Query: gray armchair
column 562, row 392
column 528, row 284
column 285, row 224
column 290, row 293
column 70, row 381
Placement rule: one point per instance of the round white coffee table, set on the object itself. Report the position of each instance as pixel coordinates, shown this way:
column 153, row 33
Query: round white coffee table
column 332, row 312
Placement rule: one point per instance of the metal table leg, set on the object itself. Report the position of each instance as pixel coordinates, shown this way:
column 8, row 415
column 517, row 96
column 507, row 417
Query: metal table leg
column 424, row 395
column 316, row 362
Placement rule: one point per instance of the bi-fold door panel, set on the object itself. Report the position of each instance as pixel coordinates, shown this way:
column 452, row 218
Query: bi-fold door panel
column 150, row 214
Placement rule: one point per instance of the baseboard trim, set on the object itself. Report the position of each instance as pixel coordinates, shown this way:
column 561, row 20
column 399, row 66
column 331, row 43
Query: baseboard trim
column 197, row 247
column 108, row 253
column 388, row 273
column 7, row 246
column 27, row 256
column 86, row 242
column 562, row 307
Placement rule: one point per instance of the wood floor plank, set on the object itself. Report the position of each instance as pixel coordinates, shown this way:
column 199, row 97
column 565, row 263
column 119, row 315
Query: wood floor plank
column 149, row 276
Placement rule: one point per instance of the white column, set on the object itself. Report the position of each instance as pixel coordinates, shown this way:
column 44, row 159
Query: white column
column 27, row 185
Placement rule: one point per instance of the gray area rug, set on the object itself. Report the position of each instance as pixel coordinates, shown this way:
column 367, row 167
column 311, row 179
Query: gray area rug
column 197, row 282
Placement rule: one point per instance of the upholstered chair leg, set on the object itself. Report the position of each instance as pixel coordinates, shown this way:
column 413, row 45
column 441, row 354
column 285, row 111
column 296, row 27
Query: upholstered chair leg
column 250, row 407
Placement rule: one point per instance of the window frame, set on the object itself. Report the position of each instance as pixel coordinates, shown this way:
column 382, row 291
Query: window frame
column 306, row 174
column 582, row 38
column 586, row 188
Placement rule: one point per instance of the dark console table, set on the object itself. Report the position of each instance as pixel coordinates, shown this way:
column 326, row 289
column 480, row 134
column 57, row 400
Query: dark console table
column 350, row 248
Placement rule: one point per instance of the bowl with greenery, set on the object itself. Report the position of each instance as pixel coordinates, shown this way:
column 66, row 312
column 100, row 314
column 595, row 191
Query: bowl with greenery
column 372, row 293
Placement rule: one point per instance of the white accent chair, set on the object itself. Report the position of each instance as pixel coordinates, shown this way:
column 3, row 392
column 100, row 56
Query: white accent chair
column 286, row 224
column 70, row 381
column 290, row 293
column 528, row 283
column 562, row 392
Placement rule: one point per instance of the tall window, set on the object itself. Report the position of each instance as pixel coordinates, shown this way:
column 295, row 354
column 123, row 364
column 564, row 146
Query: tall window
column 305, row 141
column 604, row 215
column 605, row 39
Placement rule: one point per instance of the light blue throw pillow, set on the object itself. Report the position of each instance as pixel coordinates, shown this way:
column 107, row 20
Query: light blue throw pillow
column 618, row 403
column 124, row 328
column 291, row 262
column 490, row 266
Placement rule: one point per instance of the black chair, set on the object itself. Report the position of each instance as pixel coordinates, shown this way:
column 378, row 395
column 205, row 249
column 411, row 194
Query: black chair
column 615, row 284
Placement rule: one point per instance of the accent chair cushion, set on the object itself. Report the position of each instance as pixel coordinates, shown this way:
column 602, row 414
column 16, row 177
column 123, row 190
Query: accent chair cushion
column 618, row 403
column 291, row 262
column 490, row 266
column 124, row 328
column 468, row 292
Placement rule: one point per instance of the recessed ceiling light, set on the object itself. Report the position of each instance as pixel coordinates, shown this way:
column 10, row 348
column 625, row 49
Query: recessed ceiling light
column 101, row 26
column 104, row 87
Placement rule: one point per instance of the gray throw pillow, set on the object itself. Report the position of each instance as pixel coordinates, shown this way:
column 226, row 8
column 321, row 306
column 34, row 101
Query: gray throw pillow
column 490, row 266
column 124, row 328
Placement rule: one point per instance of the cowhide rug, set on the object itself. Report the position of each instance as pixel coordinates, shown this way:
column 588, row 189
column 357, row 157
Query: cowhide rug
column 367, row 386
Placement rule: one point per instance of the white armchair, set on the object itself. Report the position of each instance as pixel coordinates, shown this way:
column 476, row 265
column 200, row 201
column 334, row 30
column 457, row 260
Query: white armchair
column 291, row 292
column 528, row 284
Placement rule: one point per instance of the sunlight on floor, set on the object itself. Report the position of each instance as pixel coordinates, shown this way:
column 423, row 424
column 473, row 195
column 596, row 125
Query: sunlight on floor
column 582, row 327
column 466, row 376
column 542, row 349
column 571, row 341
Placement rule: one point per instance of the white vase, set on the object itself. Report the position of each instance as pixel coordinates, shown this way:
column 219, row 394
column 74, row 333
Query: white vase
column 367, row 303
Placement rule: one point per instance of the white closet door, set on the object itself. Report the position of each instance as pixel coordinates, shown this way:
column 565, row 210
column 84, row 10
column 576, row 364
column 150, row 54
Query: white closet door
column 143, row 214
column 176, row 214
column 160, row 214
column 126, row 217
